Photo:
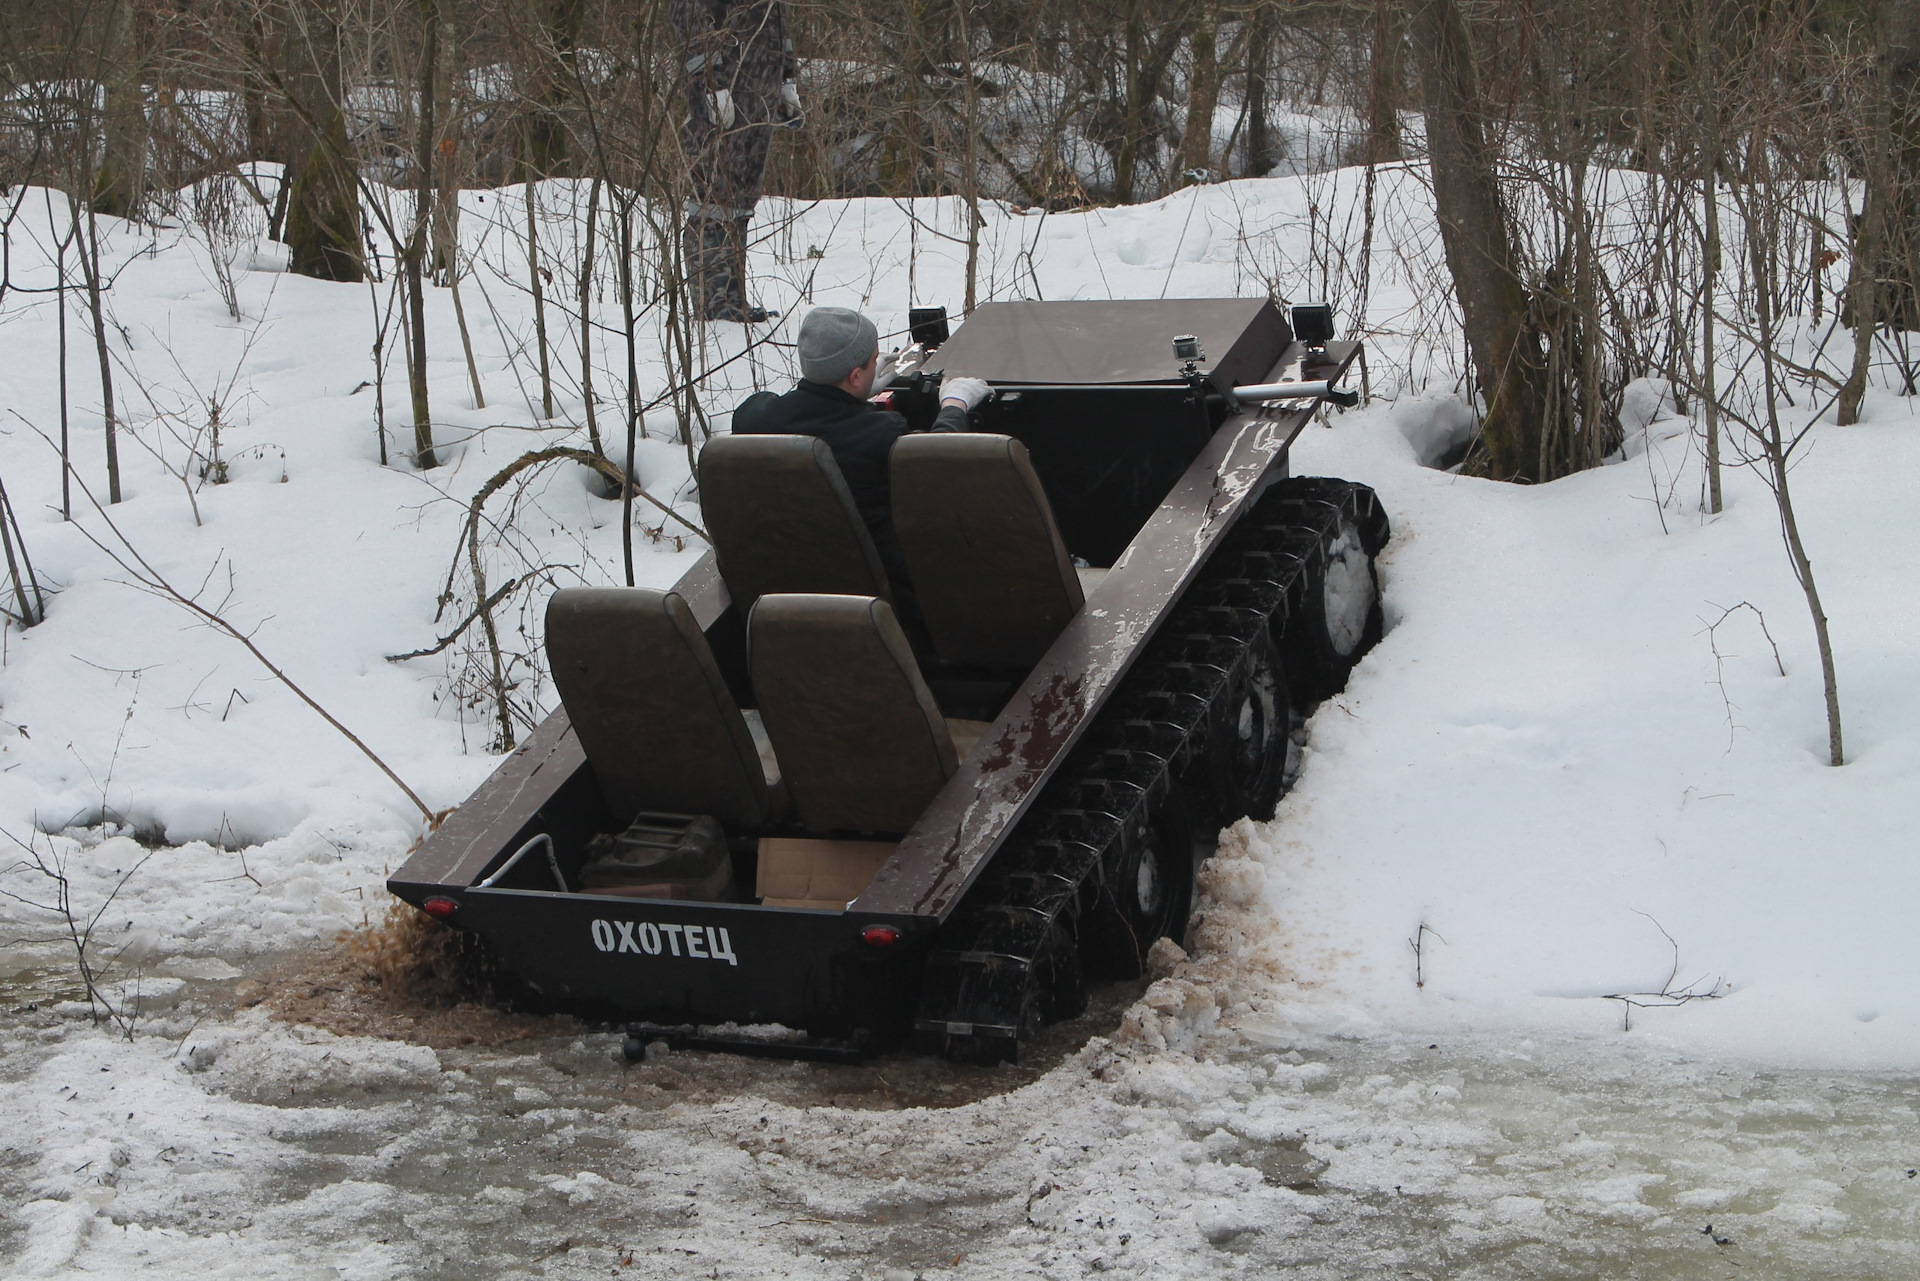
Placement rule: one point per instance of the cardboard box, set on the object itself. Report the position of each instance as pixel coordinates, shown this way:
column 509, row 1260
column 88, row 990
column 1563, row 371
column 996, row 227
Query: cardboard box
column 803, row 872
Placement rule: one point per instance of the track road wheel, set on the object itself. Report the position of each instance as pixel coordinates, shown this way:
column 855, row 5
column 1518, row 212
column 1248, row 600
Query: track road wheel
column 1254, row 756
column 1146, row 890
column 1339, row 619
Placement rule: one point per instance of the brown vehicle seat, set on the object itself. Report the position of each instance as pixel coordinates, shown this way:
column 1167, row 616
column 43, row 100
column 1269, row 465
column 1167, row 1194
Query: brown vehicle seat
column 783, row 520
column 863, row 743
column 994, row 579
column 652, row 711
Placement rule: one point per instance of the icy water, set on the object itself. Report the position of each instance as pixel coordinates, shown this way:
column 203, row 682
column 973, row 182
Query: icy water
column 286, row 1151
column 1586, row 1159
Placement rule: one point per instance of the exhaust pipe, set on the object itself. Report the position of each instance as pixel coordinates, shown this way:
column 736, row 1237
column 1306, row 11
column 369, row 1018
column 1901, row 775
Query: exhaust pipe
column 1256, row 393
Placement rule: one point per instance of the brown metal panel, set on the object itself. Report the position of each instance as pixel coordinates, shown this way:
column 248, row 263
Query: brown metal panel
column 979, row 806
column 1124, row 341
column 458, row 852
column 703, row 590
column 998, row 782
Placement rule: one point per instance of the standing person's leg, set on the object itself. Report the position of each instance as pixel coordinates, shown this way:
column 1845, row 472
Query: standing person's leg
column 764, row 60
column 746, row 156
column 703, row 237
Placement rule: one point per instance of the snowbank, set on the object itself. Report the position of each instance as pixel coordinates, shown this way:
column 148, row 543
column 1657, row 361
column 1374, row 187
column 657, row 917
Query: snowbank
column 1546, row 764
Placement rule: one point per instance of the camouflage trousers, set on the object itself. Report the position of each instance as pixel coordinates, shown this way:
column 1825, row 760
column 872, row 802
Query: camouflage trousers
column 741, row 48
column 727, row 169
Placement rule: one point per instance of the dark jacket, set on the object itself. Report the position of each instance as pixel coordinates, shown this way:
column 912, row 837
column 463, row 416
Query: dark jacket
column 860, row 434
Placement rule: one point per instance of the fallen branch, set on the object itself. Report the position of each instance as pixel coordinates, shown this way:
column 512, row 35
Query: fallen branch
column 76, row 932
column 498, row 594
column 1418, row 944
column 586, row 458
column 1668, row 996
column 1719, row 659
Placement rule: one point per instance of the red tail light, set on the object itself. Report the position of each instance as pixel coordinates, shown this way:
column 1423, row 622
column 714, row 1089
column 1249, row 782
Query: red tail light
column 440, row 907
column 880, row 935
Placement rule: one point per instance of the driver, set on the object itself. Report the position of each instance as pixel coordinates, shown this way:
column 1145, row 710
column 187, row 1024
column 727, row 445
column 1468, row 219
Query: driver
column 839, row 361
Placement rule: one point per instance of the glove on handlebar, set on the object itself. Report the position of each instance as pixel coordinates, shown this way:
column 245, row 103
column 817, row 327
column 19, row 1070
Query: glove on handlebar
column 965, row 392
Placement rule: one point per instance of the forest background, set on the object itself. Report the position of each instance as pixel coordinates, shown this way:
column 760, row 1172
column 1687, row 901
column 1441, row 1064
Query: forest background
column 1721, row 196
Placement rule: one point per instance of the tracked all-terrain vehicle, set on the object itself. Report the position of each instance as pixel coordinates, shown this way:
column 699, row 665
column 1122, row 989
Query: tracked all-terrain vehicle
column 766, row 801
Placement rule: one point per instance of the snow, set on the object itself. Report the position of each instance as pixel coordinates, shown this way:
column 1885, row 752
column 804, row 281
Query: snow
column 1550, row 775
column 1572, row 774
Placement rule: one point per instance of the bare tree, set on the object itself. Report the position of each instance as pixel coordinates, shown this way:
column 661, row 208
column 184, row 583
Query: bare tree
column 1882, row 281
column 323, row 223
column 1508, row 354
column 120, row 182
column 1203, row 92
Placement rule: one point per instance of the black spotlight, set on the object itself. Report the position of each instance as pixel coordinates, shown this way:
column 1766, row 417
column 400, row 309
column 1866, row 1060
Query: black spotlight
column 927, row 326
column 1313, row 325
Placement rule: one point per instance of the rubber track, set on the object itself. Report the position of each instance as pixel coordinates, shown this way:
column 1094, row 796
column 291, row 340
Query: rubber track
column 975, row 1002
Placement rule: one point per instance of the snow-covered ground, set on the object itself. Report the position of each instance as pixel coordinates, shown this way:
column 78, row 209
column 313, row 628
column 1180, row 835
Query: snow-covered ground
column 1544, row 764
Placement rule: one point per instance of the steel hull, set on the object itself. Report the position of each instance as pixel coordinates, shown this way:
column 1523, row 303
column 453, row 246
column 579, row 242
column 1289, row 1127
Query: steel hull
column 811, row 969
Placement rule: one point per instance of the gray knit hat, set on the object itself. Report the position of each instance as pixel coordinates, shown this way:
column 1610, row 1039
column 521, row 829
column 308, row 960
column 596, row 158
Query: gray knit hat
column 835, row 341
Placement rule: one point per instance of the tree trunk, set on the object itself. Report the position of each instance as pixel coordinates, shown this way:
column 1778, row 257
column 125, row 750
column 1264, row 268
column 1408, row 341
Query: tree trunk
column 1203, row 96
column 553, row 28
column 1863, row 312
column 96, row 310
column 629, row 325
column 1383, row 84
column 446, row 140
column 1762, row 234
column 26, row 585
column 323, row 228
column 1260, row 157
column 1502, row 336
column 1880, row 280
column 1707, row 67
column 60, row 303
column 1148, row 53
column 970, row 183
column 264, row 128
column 419, row 235
column 121, row 182
column 586, row 315
column 1901, row 291
column 534, row 273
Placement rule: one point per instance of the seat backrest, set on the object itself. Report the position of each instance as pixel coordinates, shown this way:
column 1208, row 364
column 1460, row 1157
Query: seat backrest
column 994, row 581
column 860, row 739
column 783, row 520
column 651, row 709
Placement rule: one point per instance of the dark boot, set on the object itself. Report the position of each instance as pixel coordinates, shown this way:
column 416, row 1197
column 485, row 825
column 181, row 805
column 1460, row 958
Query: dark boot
column 737, row 274
column 717, row 270
column 704, row 254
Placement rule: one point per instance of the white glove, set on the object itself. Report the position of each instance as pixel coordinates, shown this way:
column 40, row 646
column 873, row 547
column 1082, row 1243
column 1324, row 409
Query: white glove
column 790, row 104
column 964, row 392
column 720, row 108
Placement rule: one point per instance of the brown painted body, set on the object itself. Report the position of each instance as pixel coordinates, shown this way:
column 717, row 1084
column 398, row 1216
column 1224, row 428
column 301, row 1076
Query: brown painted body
column 821, row 976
